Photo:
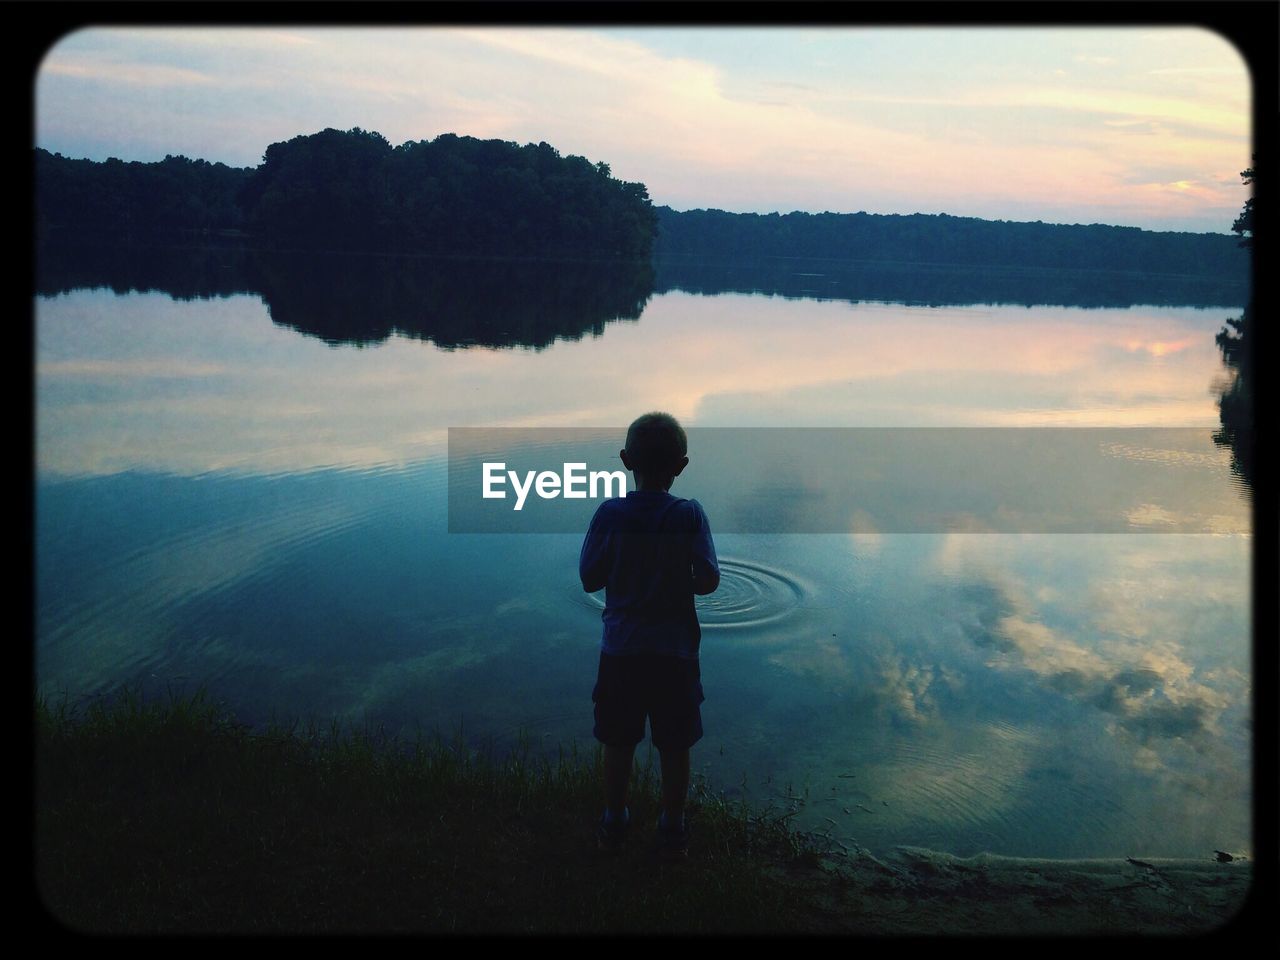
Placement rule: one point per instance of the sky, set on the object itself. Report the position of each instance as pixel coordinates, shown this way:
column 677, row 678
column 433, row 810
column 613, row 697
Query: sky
column 1137, row 126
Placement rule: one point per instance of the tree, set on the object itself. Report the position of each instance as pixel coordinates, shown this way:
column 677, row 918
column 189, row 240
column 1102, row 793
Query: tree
column 1244, row 223
column 1235, row 340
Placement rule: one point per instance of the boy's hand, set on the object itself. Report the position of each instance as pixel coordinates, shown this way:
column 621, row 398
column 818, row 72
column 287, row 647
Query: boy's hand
column 706, row 582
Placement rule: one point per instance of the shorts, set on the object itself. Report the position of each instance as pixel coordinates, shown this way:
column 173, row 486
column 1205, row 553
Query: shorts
column 668, row 690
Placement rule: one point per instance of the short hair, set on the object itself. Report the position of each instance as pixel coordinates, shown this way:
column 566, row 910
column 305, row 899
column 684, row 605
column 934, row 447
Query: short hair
column 656, row 443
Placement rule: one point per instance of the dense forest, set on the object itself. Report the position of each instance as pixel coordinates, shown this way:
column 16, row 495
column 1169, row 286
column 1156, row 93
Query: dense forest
column 135, row 200
column 351, row 190
column 939, row 239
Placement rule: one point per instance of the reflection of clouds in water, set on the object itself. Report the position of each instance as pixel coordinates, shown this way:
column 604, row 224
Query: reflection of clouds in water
column 1150, row 515
column 1151, row 692
column 980, row 782
column 1218, row 460
column 1153, row 589
column 902, row 690
column 1226, row 526
column 905, row 689
column 240, row 390
column 515, row 605
column 1137, row 671
column 436, row 682
column 1158, row 348
column 867, row 544
column 1044, row 651
column 135, row 617
column 415, row 677
column 991, row 369
column 822, row 660
column 113, row 370
column 866, row 537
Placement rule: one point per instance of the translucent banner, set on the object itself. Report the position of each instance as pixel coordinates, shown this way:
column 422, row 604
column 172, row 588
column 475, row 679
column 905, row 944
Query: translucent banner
column 862, row 480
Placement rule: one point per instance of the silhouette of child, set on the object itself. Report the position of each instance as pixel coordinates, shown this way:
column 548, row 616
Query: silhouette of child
column 651, row 552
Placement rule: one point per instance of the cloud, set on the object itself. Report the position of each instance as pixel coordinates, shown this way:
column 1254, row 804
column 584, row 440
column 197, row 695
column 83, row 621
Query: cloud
column 905, row 689
column 1231, row 72
column 200, row 38
column 93, row 369
column 1217, row 460
column 129, row 74
column 1151, row 697
column 1159, row 348
column 1131, row 104
column 1146, row 683
column 697, row 133
column 822, row 660
column 1150, row 515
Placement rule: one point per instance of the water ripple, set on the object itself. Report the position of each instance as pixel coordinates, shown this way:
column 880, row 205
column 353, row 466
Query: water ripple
column 750, row 594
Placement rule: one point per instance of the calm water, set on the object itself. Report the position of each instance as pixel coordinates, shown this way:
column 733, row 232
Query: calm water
column 231, row 495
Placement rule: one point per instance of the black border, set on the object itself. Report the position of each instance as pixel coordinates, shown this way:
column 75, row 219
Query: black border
column 1252, row 26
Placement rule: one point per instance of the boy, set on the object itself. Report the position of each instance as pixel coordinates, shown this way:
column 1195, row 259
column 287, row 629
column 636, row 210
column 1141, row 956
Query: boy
column 651, row 552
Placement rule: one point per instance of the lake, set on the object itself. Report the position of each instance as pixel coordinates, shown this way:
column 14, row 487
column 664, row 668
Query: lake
column 242, row 484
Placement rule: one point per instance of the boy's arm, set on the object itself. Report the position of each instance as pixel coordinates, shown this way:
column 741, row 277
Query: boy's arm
column 706, row 569
column 594, row 561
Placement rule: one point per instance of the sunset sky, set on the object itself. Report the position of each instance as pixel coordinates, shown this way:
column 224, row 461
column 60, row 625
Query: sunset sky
column 1139, row 126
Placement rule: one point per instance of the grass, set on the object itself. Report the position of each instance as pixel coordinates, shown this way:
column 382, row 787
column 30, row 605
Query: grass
column 167, row 816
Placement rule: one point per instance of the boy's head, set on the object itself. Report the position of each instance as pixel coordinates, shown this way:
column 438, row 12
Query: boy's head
column 656, row 450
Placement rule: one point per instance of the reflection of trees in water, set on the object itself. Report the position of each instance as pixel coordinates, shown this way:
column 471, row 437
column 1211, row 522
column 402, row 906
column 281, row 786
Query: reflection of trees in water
column 452, row 303
column 1235, row 340
column 345, row 298
column 185, row 273
column 941, row 284
column 1235, row 402
column 348, row 298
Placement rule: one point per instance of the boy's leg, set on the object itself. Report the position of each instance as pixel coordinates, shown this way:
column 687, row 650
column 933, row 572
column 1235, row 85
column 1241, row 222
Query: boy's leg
column 677, row 726
column 673, row 832
column 619, row 727
column 675, row 784
column 617, row 777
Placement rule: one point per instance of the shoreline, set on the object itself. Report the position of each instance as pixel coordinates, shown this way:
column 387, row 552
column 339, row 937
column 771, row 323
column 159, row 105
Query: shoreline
column 171, row 818
column 915, row 891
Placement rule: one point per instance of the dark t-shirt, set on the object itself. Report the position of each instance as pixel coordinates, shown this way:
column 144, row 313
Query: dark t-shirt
column 644, row 550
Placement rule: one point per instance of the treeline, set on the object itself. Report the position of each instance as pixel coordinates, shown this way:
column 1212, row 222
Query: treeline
column 942, row 239
column 449, row 195
column 352, row 190
column 134, row 200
